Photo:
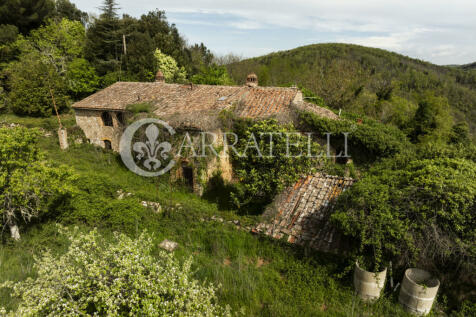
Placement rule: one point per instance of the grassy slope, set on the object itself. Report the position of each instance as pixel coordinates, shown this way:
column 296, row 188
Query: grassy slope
column 329, row 68
column 259, row 276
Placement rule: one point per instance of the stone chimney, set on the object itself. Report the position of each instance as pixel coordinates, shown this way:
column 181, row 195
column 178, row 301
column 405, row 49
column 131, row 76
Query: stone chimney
column 252, row 80
column 159, row 77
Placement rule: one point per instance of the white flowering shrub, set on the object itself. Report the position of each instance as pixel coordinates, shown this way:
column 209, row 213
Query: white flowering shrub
column 169, row 67
column 120, row 278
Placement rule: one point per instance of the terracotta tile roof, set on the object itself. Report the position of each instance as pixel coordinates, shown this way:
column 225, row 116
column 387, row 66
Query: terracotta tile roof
column 175, row 98
column 263, row 101
column 198, row 106
column 302, row 213
column 115, row 97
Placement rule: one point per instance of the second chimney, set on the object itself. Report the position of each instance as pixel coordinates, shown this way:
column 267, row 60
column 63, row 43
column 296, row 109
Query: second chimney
column 252, row 80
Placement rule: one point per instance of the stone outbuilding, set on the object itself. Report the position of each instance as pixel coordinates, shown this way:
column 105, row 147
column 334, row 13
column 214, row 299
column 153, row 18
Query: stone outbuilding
column 301, row 213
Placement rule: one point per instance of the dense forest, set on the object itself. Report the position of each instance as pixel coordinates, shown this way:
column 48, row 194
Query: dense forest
column 384, row 85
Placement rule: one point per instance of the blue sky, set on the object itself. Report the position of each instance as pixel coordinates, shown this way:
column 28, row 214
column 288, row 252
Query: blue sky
column 439, row 31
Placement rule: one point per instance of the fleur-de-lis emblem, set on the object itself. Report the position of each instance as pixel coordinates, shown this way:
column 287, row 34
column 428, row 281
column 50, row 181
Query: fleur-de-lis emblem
column 151, row 148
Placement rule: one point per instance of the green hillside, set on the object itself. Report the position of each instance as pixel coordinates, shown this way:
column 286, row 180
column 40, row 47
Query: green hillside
column 362, row 80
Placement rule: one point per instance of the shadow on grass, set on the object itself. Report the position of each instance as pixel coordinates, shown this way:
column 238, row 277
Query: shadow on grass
column 219, row 192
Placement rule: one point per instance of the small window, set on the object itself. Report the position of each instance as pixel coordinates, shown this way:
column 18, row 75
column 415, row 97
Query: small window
column 107, row 145
column 120, row 117
column 106, row 119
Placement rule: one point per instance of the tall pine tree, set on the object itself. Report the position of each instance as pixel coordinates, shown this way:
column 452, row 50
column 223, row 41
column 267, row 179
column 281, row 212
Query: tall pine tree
column 104, row 48
column 109, row 10
column 104, row 39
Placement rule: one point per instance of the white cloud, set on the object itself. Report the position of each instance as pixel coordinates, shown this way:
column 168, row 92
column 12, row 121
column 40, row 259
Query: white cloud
column 195, row 22
column 394, row 41
column 246, row 25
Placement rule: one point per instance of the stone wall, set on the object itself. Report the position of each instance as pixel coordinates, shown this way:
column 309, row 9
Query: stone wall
column 96, row 132
column 222, row 163
column 204, row 168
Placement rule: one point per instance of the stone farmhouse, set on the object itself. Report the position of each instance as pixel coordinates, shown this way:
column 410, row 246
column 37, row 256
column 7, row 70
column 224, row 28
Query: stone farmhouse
column 102, row 116
column 300, row 213
column 196, row 107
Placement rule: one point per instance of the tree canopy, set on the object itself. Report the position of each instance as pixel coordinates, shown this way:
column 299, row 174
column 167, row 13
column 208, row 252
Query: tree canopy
column 29, row 185
column 25, row 14
column 169, row 68
column 39, row 76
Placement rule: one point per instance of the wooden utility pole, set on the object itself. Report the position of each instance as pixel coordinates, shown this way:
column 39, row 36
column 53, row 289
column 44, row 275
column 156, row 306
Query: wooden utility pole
column 124, row 44
column 56, row 109
column 62, row 134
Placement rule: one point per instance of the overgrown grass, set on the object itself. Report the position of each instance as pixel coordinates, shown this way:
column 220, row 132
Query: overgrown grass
column 49, row 124
column 258, row 276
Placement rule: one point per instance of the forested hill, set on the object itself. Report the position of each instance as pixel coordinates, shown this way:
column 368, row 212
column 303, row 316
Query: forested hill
column 469, row 66
column 375, row 82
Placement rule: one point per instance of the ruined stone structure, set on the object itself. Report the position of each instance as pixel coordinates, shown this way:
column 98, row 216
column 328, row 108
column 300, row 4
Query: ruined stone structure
column 301, row 213
column 191, row 108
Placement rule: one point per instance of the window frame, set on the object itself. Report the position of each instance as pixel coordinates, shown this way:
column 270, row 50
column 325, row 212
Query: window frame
column 106, row 118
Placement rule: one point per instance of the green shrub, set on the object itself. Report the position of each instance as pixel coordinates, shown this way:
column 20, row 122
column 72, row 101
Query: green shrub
column 29, row 186
column 119, row 278
column 82, row 78
column 367, row 140
column 95, row 210
column 263, row 176
column 30, row 82
column 467, row 309
column 432, row 121
column 460, row 133
column 212, row 75
column 3, row 100
column 436, row 150
column 422, row 210
column 43, row 62
column 311, row 97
